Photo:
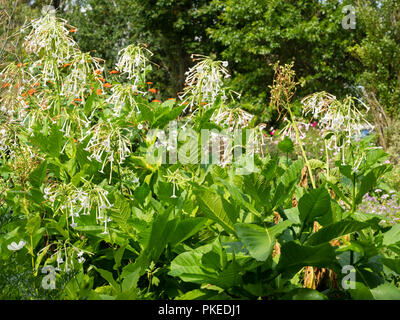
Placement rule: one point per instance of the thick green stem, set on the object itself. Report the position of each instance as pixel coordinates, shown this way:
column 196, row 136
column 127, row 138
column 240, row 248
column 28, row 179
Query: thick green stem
column 296, row 129
column 327, row 158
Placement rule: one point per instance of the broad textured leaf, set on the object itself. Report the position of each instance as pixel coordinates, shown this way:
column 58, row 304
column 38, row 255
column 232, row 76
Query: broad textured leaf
column 292, row 173
column 392, row 236
column 393, row 264
column 259, row 241
column 218, row 209
column 38, row 175
column 238, row 197
column 335, row 230
column 185, row 229
column 188, row 267
column 313, row 204
column 295, row 256
column 384, row 291
column 286, row 145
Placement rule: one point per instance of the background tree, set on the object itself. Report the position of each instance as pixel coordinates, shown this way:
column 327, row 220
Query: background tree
column 172, row 29
column 257, row 33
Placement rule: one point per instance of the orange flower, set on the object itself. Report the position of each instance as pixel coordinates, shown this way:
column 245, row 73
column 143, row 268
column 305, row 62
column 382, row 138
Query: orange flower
column 171, row 98
column 97, row 72
column 5, row 85
column 155, row 100
column 107, row 85
column 153, row 90
column 19, row 65
column 114, row 71
column 149, row 82
column 36, row 84
column 99, row 92
column 66, row 65
column 24, row 94
column 31, row 91
column 78, row 99
column 75, row 140
column 73, row 30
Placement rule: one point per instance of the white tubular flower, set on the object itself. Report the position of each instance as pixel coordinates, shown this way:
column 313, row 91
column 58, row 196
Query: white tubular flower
column 133, row 61
column 13, row 246
column 204, row 82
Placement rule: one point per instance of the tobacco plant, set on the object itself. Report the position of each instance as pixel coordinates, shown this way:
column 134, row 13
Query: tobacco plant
column 86, row 213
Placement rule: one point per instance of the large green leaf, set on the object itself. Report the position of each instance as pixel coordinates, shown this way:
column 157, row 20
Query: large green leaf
column 185, row 229
column 259, row 241
column 384, row 291
column 292, row 173
column 188, row 267
column 217, row 208
column 38, row 175
column 369, row 181
column 313, row 204
column 295, row 256
column 162, row 228
column 286, row 145
column 393, row 264
column 206, row 265
column 239, row 197
column 335, row 230
column 392, row 236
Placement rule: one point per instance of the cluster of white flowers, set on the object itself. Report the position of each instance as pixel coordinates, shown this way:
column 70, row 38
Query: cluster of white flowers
column 133, row 61
column 122, row 94
column 65, row 254
column 50, row 36
column 108, row 143
column 80, row 201
column 339, row 117
column 204, row 82
column 235, row 118
column 289, row 131
column 81, row 68
column 49, row 39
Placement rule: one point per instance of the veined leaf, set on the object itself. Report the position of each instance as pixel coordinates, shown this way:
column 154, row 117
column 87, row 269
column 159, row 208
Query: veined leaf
column 38, row 175
column 295, row 256
column 392, row 236
column 259, row 241
column 313, row 204
column 335, row 230
column 217, row 208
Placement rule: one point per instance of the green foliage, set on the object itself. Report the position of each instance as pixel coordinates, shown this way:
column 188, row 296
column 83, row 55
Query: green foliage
column 79, row 192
